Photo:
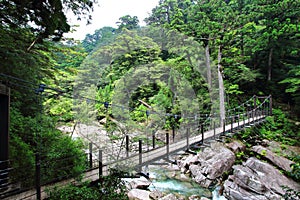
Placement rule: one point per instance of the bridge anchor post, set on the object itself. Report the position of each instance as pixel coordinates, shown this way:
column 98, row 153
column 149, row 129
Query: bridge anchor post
column 4, row 135
column 127, row 145
column 91, row 155
column 187, row 139
column 167, row 143
column 214, row 130
column 153, row 139
column 100, row 163
column 202, row 133
column 140, row 155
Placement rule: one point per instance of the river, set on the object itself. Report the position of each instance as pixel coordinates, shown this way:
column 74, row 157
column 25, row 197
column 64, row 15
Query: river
column 168, row 180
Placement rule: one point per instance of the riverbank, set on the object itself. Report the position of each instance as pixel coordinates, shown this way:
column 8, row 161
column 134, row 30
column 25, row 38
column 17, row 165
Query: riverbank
column 220, row 165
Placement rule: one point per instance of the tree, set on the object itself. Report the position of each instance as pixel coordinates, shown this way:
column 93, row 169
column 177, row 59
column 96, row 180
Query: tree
column 45, row 18
column 101, row 36
column 278, row 25
column 128, row 22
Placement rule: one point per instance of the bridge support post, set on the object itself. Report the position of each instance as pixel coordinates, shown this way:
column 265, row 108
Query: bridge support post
column 90, row 155
column 100, row 163
column 202, row 133
column 127, row 145
column 231, row 125
column 153, row 139
column 187, row 139
column 224, row 126
column 167, row 143
column 140, row 155
column 249, row 115
column 173, row 133
column 4, row 135
column 214, row 130
column 38, row 176
column 270, row 106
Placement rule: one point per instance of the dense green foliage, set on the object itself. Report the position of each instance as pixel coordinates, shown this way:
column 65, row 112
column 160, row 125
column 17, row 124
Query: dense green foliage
column 253, row 44
column 107, row 188
column 61, row 157
column 45, row 18
column 29, row 58
column 259, row 41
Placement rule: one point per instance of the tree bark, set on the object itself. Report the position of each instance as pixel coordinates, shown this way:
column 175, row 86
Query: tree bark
column 208, row 67
column 270, row 64
column 221, row 87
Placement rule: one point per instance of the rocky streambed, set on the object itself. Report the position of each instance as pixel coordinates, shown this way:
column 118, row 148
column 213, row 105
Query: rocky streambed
column 217, row 166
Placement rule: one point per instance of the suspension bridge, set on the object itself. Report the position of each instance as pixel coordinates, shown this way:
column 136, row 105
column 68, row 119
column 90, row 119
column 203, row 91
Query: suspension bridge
column 134, row 154
column 183, row 140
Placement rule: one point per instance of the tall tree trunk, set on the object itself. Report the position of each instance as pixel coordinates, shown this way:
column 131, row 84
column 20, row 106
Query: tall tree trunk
column 221, row 87
column 270, row 64
column 208, row 67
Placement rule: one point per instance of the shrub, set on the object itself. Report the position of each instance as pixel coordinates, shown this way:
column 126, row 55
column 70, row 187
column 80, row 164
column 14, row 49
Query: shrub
column 73, row 192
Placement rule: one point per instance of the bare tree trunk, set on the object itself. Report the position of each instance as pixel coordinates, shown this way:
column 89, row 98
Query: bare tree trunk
column 221, row 87
column 270, row 64
column 208, row 67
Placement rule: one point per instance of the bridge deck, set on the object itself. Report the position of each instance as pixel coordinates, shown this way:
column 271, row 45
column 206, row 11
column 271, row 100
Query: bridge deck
column 152, row 155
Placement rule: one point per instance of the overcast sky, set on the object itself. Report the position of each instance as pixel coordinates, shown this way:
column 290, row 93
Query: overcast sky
column 108, row 12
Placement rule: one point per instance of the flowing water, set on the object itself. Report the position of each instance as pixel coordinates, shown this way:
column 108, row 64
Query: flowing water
column 169, row 181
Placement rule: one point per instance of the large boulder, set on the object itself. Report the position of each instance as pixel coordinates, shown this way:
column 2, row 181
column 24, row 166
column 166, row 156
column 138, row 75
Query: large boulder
column 257, row 180
column 236, row 146
column 170, row 197
column 155, row 194
column 140, row 184
column 138, row 194
column 184, row 163
column 211, row 163
column 279, row 161
column 136, row 183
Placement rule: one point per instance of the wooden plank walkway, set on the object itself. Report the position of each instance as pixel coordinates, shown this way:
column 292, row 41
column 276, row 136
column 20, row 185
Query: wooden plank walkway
column 148, row 157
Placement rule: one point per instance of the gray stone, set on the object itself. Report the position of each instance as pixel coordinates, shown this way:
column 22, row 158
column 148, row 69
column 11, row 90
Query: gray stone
column 156, row 194
column 187, row 161
column 140, row 184
column 257, row 180
column 169, row 197
column 204, row 198
column 236, row 146
column 183, row 177
column 281, row 162
column 209, row 164
column 236, row 193
column 138, row 194
column 195, row 197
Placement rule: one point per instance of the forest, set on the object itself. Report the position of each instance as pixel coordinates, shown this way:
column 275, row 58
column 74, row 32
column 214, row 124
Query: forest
column 189, row 52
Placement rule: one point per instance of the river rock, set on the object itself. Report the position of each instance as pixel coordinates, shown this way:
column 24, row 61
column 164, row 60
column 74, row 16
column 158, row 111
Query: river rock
column 256, row 180
column 212, row 163
column 169, row 197
column 140, row 184
column 204, row 198
column 279, row 161
column 155, row 194
column 236, row 146
column 185, row 163
column 138, row 194
column 195, row 197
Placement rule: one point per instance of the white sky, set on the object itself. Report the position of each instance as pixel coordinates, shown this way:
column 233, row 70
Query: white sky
column 108, row 12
